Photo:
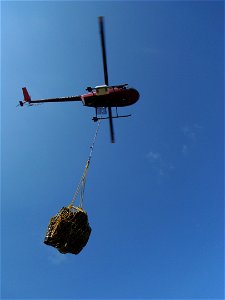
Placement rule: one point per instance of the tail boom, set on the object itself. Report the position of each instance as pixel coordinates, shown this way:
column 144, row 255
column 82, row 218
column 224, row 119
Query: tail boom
column 27, row 99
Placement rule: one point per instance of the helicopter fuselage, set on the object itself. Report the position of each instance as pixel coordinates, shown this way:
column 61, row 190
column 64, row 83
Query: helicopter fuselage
column 116, row 97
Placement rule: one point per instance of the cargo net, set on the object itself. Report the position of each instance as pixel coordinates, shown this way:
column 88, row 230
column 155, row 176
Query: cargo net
column 69, row 230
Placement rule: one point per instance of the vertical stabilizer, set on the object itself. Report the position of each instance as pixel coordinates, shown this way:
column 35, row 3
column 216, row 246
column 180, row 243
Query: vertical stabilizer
column 26, row 95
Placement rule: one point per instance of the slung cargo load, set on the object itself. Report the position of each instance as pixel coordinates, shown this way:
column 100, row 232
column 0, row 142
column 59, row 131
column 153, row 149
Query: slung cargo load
column 69, row 230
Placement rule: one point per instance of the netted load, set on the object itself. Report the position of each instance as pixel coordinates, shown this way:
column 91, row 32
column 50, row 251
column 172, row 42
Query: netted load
column 69, row 230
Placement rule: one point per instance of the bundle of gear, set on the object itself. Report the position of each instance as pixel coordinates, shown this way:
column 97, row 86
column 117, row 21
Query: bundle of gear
column 68, row 231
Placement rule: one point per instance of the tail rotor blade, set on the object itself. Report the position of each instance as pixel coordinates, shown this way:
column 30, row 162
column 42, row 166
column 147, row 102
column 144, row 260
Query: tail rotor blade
column 102, row 35
column 111, row 126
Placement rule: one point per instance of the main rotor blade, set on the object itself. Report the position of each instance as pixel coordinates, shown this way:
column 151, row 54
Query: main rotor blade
column 102, row 35
column 111, row 126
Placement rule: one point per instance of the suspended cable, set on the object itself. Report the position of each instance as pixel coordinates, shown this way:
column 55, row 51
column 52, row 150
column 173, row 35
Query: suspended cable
column 81, row 186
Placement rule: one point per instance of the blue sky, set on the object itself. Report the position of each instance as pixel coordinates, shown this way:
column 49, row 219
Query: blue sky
column 155, row 197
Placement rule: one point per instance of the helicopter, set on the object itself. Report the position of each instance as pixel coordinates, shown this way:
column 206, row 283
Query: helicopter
column 101, row 97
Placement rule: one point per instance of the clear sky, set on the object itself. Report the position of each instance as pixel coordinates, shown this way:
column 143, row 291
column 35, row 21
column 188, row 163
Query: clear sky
column 155, row 197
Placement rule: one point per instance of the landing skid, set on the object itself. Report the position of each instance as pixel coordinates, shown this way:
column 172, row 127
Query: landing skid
column 95, row 119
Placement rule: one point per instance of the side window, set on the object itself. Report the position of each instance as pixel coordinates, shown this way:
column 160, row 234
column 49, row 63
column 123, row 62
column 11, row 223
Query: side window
column 102, row 90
